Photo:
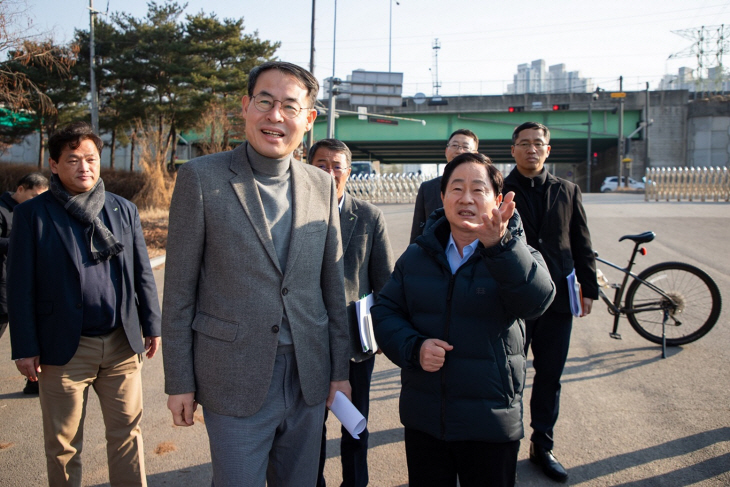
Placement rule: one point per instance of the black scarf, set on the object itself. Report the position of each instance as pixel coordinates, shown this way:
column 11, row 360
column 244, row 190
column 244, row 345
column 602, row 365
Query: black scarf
column 86, row 208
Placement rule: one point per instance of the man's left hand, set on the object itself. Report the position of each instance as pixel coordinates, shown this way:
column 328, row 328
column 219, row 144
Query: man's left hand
column 339, row 385
column 587, row 306
column 151, row 344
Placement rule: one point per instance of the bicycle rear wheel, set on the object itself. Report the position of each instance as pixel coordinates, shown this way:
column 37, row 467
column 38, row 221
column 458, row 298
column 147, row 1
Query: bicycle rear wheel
column 694, row 306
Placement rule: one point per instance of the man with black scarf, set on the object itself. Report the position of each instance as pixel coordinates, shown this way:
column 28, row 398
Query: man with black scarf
column 83, row 297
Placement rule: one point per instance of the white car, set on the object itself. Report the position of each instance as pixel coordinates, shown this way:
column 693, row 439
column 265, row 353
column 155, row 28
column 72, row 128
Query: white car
column 611, row 183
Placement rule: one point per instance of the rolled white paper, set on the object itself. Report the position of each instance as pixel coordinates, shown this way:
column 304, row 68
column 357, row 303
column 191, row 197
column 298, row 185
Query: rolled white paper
column 354, row 422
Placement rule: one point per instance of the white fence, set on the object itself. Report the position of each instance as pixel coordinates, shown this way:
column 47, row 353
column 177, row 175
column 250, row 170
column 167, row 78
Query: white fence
column 386, row 188
column 687, row 183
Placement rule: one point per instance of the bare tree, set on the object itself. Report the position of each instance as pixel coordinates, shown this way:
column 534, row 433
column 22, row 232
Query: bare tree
column 158, row 182
column 17, row 91
column 218, row 123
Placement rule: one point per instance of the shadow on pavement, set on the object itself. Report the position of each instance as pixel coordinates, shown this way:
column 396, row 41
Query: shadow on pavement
column 198, row 475
column 377, row 438
column 17, row 395
column 385, row 381
column 688, row 475
column 610, row 363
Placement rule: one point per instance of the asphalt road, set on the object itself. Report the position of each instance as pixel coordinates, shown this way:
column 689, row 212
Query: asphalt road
column 627, row 417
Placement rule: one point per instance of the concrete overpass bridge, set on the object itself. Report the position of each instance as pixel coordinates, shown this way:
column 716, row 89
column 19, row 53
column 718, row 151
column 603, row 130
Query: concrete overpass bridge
column 407, row 142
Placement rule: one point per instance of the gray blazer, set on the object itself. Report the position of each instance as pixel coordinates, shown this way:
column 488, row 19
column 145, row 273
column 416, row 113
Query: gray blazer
column 368, row 259
column 225, row 294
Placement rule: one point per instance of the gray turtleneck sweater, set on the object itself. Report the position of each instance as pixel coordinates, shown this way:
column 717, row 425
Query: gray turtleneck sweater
column 273, row 180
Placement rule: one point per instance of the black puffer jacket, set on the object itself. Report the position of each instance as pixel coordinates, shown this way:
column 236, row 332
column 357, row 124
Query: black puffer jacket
column 477, row 394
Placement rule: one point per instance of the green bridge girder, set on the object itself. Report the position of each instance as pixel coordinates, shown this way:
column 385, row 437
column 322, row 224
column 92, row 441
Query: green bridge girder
column 413, row 143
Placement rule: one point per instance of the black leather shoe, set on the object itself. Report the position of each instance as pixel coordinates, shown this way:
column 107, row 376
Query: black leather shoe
column 550, row 465
column 30, row 387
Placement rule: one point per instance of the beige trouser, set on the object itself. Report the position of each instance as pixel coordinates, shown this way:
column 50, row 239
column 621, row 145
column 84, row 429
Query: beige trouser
column 109, row 365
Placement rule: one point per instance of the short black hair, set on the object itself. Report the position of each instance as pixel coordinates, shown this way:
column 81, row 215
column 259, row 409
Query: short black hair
column 33, row 180
column 468, row 133
column 71, row 136
column 528, row 126
column 331, row 144
column 305, row 78
column 493, row 174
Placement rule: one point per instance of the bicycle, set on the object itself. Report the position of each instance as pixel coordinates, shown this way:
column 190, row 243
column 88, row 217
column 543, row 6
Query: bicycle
column 670, row 298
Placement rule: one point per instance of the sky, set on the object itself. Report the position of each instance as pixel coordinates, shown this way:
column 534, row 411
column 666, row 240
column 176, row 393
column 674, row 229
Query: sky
column 481, row 42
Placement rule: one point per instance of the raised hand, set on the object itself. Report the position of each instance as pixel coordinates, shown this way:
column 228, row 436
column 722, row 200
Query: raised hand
column 493, row 226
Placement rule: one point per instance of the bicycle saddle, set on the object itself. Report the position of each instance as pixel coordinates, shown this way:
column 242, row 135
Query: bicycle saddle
column 640, row 238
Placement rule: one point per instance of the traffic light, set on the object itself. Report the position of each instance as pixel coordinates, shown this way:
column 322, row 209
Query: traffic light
column 516, row 109
column 594, row 159
column 562, row 106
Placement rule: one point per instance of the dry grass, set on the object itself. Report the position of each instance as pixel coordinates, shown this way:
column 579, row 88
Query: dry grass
column 154, row 227
column 156, row 192
column 154, row 214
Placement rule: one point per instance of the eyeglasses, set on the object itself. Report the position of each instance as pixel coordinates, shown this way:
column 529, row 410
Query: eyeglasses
column 289, row 108
column 527, row 145
column 464, row 148
column 337, row 169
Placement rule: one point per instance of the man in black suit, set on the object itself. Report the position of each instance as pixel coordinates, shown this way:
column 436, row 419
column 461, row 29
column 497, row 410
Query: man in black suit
column 83, row 296
column 368, row 260
column 29, row 186
column 428, row 198
column 555, row 224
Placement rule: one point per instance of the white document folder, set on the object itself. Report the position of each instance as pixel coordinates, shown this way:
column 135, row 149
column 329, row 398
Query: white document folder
column 576, row 294
column 365, row 324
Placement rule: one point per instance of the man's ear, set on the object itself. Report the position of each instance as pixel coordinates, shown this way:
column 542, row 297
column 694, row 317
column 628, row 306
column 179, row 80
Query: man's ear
column 311, row 116
column 53, row 165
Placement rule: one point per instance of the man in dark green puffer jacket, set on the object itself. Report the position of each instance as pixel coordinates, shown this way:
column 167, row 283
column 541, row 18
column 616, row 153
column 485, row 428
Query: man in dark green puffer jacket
column 451, row 316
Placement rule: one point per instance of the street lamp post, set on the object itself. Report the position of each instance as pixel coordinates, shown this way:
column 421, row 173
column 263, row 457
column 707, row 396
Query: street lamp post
column 390, row 35
column 331, row 109
column 310, row 134
column 92, row 74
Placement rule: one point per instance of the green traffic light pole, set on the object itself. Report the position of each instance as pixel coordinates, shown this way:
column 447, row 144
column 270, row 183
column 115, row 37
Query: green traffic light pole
column 620, row 150
column 588, row 152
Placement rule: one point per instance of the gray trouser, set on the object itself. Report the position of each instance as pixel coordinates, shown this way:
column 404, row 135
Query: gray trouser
column 279, row 444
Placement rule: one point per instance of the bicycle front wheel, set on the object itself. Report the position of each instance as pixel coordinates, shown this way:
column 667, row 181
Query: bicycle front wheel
column 692, row 299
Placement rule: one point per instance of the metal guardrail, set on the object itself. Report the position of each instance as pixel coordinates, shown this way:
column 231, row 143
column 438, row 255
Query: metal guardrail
column 386, row 188
column 687, row 183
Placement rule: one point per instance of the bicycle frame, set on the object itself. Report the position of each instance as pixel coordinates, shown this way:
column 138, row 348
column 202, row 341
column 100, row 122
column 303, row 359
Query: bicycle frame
column 615, row 307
